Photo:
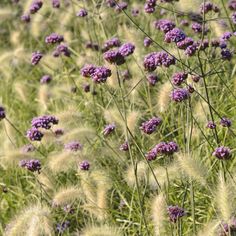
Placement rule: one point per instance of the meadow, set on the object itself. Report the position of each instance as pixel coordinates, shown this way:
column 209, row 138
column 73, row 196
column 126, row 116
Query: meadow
column 117, row 117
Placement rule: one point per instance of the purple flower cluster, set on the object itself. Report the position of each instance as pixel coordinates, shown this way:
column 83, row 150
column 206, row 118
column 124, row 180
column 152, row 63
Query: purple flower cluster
column 44, row 122
column 198, row 28
column 59, row 132
column 61, row 227
column 178, row 78
column 211, row 125
column 222, row 153
column 73, row 146
column 121, row 6
column 36, row 57
column 93, row 46
column 208, row 6
column 84, row 165
column 175, row 212
column 111, row 3
column 82, row 13
column 113, row 42
column 155, row 59
column 185, row 43
column 110, row 128
column 126, row 49
column 225, row 122
column 152, row 79
column 232, row 5
column 226, row 54
column 98, row 74
column 233, row 17
column 25, row 18
column 149, row 126
column 46, row 79
column 164, row 25
column 2, row 113
column 114, row 57
column 163, row 148
column 179, row 94
column 35, row 6
column 34, row 134
column 225, row 229
column 56, row 3
column 31, row 165
column 226, row 36
column 54, row 38
column 150, row 6
column 147, row 42
column 124, row 146
column 175, row 35
column 62, row 49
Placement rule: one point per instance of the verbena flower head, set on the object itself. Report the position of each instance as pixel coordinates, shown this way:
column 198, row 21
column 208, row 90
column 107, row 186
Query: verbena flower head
column 87, row 70
column 84, row 165
column 175, row 212
column 73, row 146
column 152, row 79
column 44, row 122
column 126, row 49
column 56, row 3
column 232, row 5
column 233, row 17
column 34, row 134
column 110, row 128
column 36, row 57
column 35, row 6
column 62, row 227
column 191, row 50
column 31, row 165
column 124, row 146
column 226, row 54
column 164, row 25
column 86, row 88
column 150, row 126
column 82, row 13
column 147, row 42
column 208, row 6
column 185, row 43
column 114, row 57
column 93, row 46
column 178, row 78
column 226, row 36
column 46, row 79
column 179, row 94
column 113, row 42
column 222, row 153
column 196, row 27
column 175, row 35
column 2, row 113
column 62, row 49
column 211, row 125
column 58, row 132
column 135, row 12
column 25, row 18
column 111, row 3
column 28, row 148
column 149, row 6
column 54, row 38
column 226, row 228
column 225, row 122
column 121, row 6
column 101, row 74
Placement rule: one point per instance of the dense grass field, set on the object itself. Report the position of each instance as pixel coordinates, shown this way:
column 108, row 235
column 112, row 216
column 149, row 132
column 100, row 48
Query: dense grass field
column 117, row 118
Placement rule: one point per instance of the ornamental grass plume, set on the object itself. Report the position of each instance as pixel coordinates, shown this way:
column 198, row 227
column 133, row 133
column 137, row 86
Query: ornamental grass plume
column 43, row 99
column 209, row 229
column 66, row 195
column 33, row 220
column 193, row 167
column 163, row 96
column 159, row 214
column 102, row 230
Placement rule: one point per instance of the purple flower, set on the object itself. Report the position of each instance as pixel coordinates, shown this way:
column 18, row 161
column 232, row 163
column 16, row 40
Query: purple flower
column 150, row 61
column 46, row 79
column 36, row 57
column 110, row 128
column 59, row 132
column 179, row 94
column 113, row 42
column 82, row 13
column 61, row 227
column 31, row 165
column 225, row 122
column 175, row 212
column 226, row 36
column 121, row 6
column 196, row 78
column 150, row 126
column 135, row 12
column 190, row 50
column 111, row 3
column 202, row 45
column 225, row 228
column 184, row 23
column 114, row 57
column 54, row 38
column 73, row 146
column 222, row 153
column 126, row 75
column 152, row 79
column 34, row 134
column 2, row 113
column 185, row 43
column 124, row 146
column 84, row 165
column 44, row 122
column 28, row 148
column 151, row 155
column 126, row 49
column 164, row 25
column 25, row 18
column 147, row 42
column 93, row 46
column 87, row 70
column 62, row 49
column 100, row 74
column 86, row 88
column 148, row 8
column 178, row 78
column 232, row 4
column 175, row 35
column 226, row 54
column 196, row 27
column 233, row 17
column 211, row 125
column 35, row 6
column 208, row 6
column 56, row 3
